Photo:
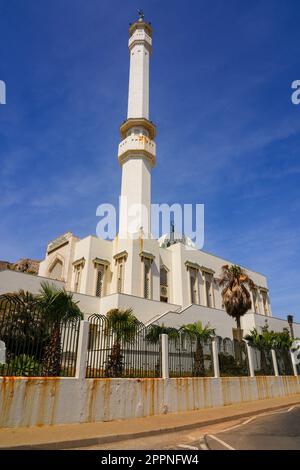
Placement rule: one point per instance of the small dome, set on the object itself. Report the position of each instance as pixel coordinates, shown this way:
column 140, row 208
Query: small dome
column 172, row 238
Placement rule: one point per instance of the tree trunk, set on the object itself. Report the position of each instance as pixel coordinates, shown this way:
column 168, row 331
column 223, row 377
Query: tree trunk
column 114, row 367
column 199, row 369
column 263, row 360
column 52, row 357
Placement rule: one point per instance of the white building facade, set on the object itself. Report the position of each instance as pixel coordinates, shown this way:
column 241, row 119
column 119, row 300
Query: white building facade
column 161, row 280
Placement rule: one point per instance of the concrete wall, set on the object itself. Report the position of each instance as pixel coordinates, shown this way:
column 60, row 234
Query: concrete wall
column 44, row 401
column 13, row 281
column 217, row 319
column 143, row 309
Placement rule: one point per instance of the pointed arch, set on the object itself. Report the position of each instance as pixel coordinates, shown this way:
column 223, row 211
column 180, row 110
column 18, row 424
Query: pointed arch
column 55, row 268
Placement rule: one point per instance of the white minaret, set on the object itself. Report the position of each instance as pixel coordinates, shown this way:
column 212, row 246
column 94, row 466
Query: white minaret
column 137, row 150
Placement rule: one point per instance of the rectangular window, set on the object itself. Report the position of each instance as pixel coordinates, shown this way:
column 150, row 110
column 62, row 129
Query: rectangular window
column 163, row 285
column 255, row 304
column 100, row 281
column 265, row 303
column 194, row 286
column 77, row 278
column 208, row 279
column 147, row 278
column 120, row 276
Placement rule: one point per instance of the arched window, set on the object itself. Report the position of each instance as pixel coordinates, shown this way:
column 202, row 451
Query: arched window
column 56, row 270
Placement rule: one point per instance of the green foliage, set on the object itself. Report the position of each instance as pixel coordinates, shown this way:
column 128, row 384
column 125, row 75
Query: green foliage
column 33, row 322
column 22, row 365
column 229, row 367
column 57, row 304
column 155, row 331
column 196, row 329
column 267, row 340
column 125, row 326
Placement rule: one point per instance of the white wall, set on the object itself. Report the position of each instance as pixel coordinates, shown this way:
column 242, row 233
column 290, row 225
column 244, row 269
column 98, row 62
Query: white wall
column 13, row 281
column 216, row 318
column 251, row 320
column 143, row 309
column 43, row 401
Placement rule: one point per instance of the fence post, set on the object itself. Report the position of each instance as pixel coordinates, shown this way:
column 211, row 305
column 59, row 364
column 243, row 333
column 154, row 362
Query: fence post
column 294, row 363
column 164, row 349
column 82, row 349
column 275, row 365
column 250, row 360
column 215, row 354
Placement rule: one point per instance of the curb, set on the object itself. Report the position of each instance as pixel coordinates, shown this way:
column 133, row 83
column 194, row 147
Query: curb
column 92, row 441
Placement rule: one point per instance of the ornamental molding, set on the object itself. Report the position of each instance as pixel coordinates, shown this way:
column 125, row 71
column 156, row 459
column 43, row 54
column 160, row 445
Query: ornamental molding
column 58, row 242
column 137, row 153
column 163, row 266
column 204, row 269
column 140, row 25
column 79, row 262
column 190, row 264
column 138, row 122
column 147, row 255
column 100, row 261
column 122, row 254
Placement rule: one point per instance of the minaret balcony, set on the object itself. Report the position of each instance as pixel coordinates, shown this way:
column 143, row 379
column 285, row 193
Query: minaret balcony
column 137, row 146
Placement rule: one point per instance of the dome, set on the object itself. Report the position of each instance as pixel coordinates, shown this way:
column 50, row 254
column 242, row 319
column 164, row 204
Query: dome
column 172, row 238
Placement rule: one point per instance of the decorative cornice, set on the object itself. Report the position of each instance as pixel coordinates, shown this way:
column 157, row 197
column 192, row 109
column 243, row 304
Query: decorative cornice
column 204, row 269
column 138, row 122
column 79, row 262
column 103, row 262
column 122, row 254
column 147, row 255
column 163, row 266
column 263, row 289
column 190, row 264
column 58, row 242
column 137, row 153
column 138, row 25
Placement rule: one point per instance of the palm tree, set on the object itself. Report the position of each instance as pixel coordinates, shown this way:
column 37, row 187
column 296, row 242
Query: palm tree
column 235, row 295
column 153, row 336
column 200, row 334
column 264, row 342
column 283, row 344
column 21, row 327
column 124, row 326
column 56, row 306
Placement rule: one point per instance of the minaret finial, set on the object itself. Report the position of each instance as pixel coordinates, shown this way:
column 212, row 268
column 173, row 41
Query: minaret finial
column 141, row 15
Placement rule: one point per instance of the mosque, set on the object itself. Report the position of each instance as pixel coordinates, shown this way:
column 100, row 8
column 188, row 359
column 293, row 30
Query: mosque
column 164, row 280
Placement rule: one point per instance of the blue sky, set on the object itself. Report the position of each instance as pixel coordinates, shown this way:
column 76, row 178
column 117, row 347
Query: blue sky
column 228, row 134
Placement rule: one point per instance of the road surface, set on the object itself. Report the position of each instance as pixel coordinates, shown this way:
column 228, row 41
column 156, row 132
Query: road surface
column 279, row 430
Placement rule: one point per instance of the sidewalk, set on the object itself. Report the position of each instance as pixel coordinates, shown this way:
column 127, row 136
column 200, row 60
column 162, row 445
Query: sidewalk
column 86, row 434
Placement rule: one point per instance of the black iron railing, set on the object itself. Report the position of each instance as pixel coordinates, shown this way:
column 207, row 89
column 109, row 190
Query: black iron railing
column 34, row 345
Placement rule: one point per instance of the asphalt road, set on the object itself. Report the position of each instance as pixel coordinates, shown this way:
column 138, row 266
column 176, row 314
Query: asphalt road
column 278, row 430
column 274, row 431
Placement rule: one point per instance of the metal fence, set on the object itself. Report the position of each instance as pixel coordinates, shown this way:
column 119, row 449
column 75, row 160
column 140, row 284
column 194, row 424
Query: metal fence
column 190, row 356
column 36, row 346
column 233, row 357
column 284, row 362
column 262, row 361
column 117, row 352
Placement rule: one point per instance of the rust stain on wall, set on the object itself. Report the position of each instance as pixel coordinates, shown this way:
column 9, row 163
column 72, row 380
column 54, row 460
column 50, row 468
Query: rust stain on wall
column 106, row 396
column 91, row 400
column 7, row 393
